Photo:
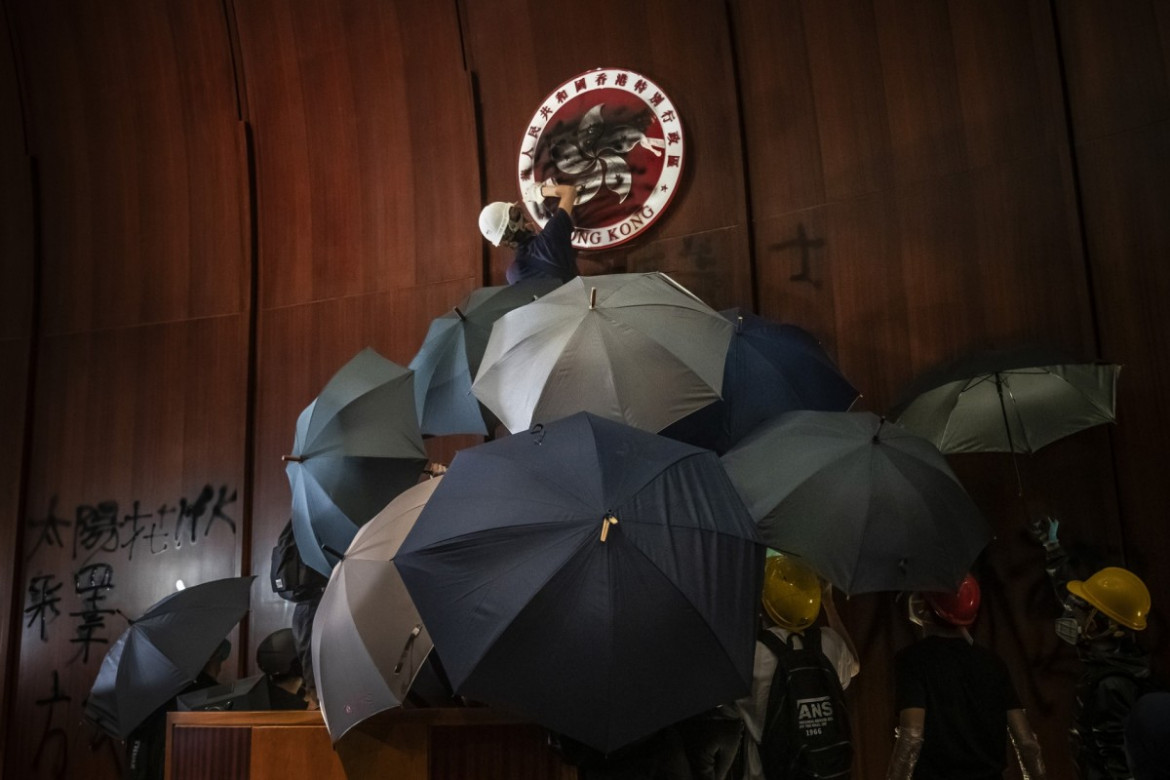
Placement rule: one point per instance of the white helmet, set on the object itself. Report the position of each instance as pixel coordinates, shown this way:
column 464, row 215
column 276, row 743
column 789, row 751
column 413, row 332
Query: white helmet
column 495, row 221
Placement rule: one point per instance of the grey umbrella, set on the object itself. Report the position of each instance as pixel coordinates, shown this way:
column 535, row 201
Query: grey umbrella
column 1016, row 400
column 870, row 505
column 1009, row 401
column 633, row 348
column 369, row 643
column 163, row 651
column 356, row 447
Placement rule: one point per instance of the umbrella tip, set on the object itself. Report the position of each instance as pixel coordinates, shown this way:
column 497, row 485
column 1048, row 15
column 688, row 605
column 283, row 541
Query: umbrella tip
column 292, row 459
column 460, row 313
column 592, row 297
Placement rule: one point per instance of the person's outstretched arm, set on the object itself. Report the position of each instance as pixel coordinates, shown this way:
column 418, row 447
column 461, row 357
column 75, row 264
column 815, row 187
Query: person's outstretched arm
column 566, row 193
column 907, row 744
column 1026, row 745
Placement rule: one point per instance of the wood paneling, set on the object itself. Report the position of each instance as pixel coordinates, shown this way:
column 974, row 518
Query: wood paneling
column 1118, row 67
column 136, row 481
column 211, row 754
column 16, row 320
column 132, row 118
column 365, row 147
column 1118, row 73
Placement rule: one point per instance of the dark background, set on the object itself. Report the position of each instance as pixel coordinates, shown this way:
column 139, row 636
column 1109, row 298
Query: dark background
column 208, row 206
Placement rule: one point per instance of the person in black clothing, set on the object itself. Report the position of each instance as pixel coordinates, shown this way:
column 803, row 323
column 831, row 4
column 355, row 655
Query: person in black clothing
column 1147, row 737
column 146, row 745
column 548, row 254
column 1101, row 615
column 277, row 657
column 956, row 703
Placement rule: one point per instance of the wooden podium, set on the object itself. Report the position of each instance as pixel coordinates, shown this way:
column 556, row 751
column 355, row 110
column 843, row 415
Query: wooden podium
column 422, row 744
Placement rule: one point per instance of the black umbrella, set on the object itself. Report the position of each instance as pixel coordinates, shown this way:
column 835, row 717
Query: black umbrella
column 868, row 504
column 599, row 579
column 163, row 651
column 357, row 446
column 770, row 368
column 446, row 363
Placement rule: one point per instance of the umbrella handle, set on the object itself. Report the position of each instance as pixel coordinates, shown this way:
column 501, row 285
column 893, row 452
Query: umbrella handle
column 605, row 524
column 406, row 647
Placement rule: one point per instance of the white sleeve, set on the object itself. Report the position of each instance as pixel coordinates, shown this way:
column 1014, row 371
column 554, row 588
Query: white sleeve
column 835, row 649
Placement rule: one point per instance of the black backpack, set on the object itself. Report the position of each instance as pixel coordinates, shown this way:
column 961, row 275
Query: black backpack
column 292, row 579
column 806, row 729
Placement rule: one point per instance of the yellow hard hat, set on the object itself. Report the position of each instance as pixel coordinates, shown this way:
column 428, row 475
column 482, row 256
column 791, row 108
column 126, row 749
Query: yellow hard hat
column 792, row 592
column 1116, row 593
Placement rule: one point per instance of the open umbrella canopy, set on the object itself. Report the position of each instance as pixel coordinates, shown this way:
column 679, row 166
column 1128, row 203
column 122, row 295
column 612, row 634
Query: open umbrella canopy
column 870, row 505
column 1008, row 401
column 369, row 643
column 356, row 447
column 599, row 579
column 633, row 348
column 164, row 651
column 771, row 368
column 445, row 364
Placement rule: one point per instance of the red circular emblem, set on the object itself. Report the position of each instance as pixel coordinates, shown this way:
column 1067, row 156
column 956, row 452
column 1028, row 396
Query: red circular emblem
column 618, row 137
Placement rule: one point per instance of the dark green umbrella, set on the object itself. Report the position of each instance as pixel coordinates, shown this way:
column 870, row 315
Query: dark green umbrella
column 871, row 506
column 356, row 447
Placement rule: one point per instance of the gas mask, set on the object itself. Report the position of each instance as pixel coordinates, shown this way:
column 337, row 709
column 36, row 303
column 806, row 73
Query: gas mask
column 1081, row 621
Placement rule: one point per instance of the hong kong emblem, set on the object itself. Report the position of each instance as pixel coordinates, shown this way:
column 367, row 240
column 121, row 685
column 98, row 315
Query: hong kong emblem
column 616, row 136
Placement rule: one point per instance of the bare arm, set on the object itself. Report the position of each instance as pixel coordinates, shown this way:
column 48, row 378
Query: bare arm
column 907, row 744
column 1026, row 745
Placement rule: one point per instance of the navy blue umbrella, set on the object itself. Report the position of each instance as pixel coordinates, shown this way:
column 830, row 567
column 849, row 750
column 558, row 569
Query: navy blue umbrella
column 599, row 579
column 771, row 368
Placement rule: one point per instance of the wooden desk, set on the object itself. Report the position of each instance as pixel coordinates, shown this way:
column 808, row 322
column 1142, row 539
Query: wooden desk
column 422, row 744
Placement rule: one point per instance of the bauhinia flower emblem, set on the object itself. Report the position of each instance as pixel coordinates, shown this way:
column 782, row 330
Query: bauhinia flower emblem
column 597, row 157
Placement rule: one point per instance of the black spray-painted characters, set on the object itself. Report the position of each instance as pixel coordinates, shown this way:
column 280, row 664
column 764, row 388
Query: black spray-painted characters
column 54, row 744
column 92, row 583
column 43, row 598
column 103, row 528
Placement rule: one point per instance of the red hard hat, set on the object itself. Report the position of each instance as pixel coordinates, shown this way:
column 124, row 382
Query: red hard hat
column 959, row 608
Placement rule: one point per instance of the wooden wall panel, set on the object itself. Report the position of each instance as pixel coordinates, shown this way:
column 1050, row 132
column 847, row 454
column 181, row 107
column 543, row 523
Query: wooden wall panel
column 365, row 147
column 1118, row 75
column 132, row 116
column 136, row 482
column 521, row 50
column 1118, row 66
column 16, row 318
